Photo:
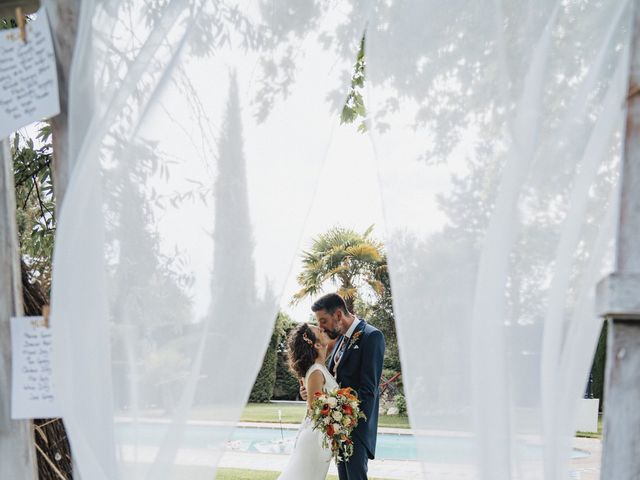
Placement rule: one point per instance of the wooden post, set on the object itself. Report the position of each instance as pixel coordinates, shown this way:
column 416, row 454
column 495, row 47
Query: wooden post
column 17, row 454
column 618, row 300
column 63, row 18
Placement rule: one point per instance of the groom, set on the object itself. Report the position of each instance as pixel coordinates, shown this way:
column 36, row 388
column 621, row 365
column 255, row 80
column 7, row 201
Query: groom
column 356, row 362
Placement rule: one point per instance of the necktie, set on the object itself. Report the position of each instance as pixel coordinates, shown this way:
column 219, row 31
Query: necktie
column 339, row 352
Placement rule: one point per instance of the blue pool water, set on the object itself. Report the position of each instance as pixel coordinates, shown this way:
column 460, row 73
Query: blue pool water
column 388, row 447
column 273, row 440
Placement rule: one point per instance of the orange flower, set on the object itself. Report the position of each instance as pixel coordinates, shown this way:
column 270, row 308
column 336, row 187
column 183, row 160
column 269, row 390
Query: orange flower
column 317, row 394
column 347, row 409
column 330, row 430
column 347, row 392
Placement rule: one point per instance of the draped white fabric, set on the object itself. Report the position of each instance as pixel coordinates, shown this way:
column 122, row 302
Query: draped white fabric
column 497, row 129
column 197, row 131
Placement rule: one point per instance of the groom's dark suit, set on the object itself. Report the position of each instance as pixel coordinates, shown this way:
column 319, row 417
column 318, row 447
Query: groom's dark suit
column 360, row 367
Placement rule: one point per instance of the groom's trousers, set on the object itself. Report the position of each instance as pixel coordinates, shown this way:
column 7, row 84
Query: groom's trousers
column 356, row 467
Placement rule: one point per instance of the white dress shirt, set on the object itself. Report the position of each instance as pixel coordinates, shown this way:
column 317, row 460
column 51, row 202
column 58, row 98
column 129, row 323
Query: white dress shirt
column 352, row 328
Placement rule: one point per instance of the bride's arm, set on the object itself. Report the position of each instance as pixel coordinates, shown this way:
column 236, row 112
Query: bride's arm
column 314, row 384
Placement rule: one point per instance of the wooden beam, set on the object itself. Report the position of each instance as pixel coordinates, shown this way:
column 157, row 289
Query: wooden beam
column 618, row 301
column 17, row 455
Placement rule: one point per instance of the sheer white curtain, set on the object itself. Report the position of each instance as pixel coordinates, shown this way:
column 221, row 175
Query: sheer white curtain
column 497, row 129
column 197, row 131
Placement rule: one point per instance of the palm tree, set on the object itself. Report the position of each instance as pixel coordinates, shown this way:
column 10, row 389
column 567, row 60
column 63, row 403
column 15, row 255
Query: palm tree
column 347, row 259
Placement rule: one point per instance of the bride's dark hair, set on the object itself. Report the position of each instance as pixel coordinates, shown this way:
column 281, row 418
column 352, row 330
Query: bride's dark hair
column 302, row 353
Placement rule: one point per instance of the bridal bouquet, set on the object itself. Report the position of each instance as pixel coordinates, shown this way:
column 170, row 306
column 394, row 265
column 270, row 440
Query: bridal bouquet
column 336, row 414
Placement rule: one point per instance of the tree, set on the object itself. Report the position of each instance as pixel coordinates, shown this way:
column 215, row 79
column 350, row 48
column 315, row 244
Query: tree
column 35, row 206
column 354, row 105
column 345, row 258
column 286, row 387
column 380, row 315
column 263, row 388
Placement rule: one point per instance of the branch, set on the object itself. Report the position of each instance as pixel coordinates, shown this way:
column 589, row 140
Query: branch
column 25, row 176
column 28, row 195
column 42, row 207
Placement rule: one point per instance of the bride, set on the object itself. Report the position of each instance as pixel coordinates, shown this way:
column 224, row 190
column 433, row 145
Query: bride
column 307, row 355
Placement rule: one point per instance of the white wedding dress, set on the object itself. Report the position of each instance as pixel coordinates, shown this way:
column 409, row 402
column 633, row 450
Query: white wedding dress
column 309, row 460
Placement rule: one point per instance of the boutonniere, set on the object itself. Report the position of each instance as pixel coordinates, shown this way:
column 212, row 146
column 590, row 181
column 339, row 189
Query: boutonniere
column 355, row 338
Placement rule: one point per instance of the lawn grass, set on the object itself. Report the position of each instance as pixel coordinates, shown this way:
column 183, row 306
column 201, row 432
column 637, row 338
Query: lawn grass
column 393, row 421
column 597, row 434
column 238, row 474
column 268, row 412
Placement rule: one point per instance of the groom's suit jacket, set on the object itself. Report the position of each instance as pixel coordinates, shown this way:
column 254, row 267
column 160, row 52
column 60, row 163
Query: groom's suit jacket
column 361, row 368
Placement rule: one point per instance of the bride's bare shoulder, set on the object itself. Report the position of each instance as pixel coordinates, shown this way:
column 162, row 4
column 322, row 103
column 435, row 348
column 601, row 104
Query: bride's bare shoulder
column 315, row 374
column 315, row 370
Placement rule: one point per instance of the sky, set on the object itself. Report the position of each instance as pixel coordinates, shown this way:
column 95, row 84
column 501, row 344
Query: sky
column 346, row 183
column 357, row 206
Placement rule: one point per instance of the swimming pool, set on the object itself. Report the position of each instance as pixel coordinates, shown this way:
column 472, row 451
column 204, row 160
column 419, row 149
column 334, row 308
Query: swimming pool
column 437, row 449
column 388, row 446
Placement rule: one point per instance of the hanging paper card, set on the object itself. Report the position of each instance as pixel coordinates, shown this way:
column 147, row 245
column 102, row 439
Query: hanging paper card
column 32, row 390
column 28, row 77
